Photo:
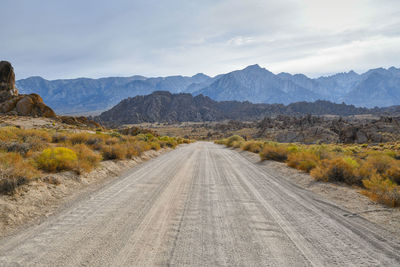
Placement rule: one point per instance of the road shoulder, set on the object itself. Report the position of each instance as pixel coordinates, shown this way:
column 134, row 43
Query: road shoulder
column 342, row 195
column 34, row 202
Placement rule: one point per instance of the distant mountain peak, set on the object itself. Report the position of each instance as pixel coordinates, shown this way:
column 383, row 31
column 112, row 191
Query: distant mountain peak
column 253, row 67
column 199, row 75
column 352, row 72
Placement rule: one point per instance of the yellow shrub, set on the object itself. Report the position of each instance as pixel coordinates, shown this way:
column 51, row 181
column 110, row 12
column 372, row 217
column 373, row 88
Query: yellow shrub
column 376, row 163
column 252, row 146
column 393, row 173
column 336, row 170
column 166, row 141
column 57, row 159
column 379, row 162
column 382, row 190
column 234, row 140
column 274, row 152
column 305, row 161
column 155, row 145
column 87, row 158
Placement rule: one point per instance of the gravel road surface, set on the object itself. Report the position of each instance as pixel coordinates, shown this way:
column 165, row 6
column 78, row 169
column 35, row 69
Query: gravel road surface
column 201, row 205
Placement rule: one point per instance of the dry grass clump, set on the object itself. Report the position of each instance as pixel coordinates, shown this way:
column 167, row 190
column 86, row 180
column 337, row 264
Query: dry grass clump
column 57, row 159
column 382, row 190
column 59, row 138
column 303, row 160
column 379, row 163
column 166, row 141
column 115, row 151
column 337, row 170
column 79, row 138
column 274, row 151
column 252, row 146
column 15, row 171
column 234, row 141
column 87, row 158
column 155, row 145
column 393, row 173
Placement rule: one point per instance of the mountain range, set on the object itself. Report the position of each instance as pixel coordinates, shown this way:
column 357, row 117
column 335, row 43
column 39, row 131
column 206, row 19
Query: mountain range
column 377, row 87
column 163, row 106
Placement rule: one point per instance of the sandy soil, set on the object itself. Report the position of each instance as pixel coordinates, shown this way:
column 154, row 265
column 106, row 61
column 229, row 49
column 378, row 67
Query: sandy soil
column 341, row 194
column 32, row 203
column 202, row 205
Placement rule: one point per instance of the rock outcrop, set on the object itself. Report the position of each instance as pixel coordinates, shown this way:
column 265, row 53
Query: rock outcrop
column 12, row 103
column 316, row 129
column 7, row 81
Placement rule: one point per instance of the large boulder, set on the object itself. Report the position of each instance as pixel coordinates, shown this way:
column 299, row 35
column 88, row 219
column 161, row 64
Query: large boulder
column 7, row 81
column 14, row 104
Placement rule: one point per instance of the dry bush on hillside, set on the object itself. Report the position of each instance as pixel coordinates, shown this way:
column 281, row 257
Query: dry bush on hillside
column 15, row 171
column 115, row 151
column 87, row 158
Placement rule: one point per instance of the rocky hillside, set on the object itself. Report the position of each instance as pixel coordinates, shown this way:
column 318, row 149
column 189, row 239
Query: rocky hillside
column 376, row 87
column 162, row 106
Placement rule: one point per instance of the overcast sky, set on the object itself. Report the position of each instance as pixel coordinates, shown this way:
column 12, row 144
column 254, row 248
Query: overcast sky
column 96, row 38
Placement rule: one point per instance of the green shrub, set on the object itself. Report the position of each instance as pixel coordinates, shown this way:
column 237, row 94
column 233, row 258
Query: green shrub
column 57, row 159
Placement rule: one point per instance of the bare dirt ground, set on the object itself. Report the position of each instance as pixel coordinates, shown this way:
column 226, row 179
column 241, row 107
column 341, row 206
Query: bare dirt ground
column 35, row 201
column 202, row 205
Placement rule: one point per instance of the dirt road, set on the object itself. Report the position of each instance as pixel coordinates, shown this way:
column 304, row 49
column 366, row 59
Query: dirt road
column 202, row 205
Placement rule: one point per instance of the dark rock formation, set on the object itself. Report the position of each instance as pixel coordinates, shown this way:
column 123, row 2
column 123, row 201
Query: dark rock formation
column 163, row 106
column 14, row 104
column 7, row 81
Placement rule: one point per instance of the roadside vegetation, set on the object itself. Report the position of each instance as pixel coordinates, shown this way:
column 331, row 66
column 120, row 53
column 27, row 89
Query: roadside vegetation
column 374, row 168
column 28, row 154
